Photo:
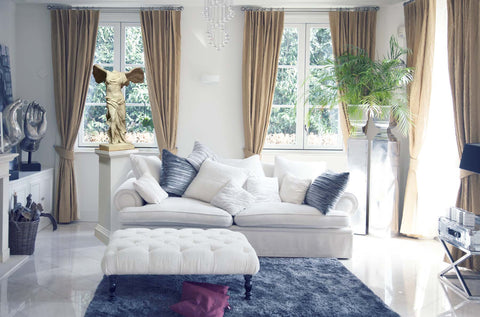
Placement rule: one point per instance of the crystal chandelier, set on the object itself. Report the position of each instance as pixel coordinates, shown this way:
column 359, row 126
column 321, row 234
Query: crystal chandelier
column 218, row 13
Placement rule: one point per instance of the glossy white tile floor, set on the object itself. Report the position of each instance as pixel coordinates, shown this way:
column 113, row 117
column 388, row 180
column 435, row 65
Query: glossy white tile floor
column 61, row 277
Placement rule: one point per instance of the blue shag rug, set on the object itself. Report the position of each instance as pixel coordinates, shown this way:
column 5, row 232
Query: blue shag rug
column 283, row 287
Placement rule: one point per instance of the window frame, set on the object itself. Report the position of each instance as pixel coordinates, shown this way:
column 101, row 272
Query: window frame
column 119, row 53
column 303, row 69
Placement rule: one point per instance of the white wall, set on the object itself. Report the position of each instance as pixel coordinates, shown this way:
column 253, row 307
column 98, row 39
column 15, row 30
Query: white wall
column 34, row 78
column 7, row 33
column 211, row 114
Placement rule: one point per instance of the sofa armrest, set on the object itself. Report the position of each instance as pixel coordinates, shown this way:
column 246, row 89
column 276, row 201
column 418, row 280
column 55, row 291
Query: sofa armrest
column 126, row 196
column 348, row 202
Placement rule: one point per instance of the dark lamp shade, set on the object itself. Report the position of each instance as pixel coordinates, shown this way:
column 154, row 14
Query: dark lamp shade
column 471, row 158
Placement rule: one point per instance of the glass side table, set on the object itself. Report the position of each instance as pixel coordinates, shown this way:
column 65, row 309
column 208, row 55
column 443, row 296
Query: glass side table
column 463, row 290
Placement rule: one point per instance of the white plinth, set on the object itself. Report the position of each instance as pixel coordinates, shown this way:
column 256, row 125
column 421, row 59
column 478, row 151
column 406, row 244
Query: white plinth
column 5, row 194
column 113, row 166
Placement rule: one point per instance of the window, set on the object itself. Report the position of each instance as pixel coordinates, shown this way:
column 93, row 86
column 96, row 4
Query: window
column 297, row 121
column 120, row 47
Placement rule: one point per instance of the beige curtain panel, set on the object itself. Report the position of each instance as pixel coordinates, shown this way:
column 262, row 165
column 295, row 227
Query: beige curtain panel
column 161, row 42
column 464, row 68
column 420, row 31
column 74, row 34
column 352, row 29
column 262, row 36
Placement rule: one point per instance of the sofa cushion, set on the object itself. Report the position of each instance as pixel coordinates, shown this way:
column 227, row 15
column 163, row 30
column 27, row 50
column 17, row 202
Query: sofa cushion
column 252, row 164
column 232, row 198
column 212, row 177
column 294, row 189
column 298, row 169
column 199, row 154
column 264, row 189
column 142, row 164
column 287, row 215
column 149, row 189
column 177, row 174
column 177, row 211
column 326, row 190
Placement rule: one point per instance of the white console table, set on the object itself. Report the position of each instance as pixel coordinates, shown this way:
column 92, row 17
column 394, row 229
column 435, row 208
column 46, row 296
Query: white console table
column 40, row 185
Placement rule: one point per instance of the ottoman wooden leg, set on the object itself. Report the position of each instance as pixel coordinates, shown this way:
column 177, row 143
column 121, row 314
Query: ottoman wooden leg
column 248, row 286
column 112, row 279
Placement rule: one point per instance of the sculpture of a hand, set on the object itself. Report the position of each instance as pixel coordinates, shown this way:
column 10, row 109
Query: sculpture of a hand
column 12, row 128
column 35, row 122
column 35, row 127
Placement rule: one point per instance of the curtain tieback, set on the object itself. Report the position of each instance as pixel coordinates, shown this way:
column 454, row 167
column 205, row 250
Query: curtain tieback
column 465, row 173
column 64, row 153
column 413, row 163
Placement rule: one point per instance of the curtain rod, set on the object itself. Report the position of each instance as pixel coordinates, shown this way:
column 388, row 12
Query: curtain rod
column 67, row 7
column 408, row 2
column 299, row 10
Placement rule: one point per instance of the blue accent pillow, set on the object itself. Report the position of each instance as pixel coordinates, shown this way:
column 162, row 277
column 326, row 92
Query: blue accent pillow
column 325, row 190
column 177, row 174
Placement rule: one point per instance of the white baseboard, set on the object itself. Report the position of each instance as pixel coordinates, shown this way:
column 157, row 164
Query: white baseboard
column 102, row 234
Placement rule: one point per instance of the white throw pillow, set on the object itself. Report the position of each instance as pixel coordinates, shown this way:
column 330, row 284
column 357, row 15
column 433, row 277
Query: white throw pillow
column 294, row 189
column 300, row 169
column 232, row 198
column 252, row 164
column 142, row 164
column 211, row 177
column 149, row 189
column 264, row 189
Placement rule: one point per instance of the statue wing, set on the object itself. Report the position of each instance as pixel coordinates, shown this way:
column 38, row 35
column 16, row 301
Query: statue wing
column 99, row 74
column 135, row 75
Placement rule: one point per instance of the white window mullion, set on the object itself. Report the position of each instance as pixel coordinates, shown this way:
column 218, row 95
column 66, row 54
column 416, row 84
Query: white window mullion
column 301, row 83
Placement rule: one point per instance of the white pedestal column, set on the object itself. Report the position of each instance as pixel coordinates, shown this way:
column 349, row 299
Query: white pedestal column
column 113, row 166
column 5, row 194
column 357, row 156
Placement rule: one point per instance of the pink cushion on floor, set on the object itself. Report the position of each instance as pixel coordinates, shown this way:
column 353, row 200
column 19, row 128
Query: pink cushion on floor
column 202, row 300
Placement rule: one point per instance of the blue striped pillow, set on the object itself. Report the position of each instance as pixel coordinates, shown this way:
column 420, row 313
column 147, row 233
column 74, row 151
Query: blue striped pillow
column 177, row 174
column 325, row 190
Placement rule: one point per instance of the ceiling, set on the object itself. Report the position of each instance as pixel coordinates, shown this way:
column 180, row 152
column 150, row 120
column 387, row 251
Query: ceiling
column 264, row 3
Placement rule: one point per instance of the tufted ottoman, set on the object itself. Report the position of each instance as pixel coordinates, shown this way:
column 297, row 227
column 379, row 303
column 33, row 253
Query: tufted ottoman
column 179, row 252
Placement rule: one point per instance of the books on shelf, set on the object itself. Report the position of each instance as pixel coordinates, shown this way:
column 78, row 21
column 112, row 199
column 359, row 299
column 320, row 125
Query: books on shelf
column 464, row 218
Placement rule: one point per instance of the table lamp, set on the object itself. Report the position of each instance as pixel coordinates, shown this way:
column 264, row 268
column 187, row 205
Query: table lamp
column 471, row 158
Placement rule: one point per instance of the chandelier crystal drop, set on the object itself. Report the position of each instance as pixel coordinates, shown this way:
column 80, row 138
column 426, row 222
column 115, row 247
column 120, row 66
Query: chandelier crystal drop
column 218, row 13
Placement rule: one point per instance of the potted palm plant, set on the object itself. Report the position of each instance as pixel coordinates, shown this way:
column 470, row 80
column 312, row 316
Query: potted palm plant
column 369, row 88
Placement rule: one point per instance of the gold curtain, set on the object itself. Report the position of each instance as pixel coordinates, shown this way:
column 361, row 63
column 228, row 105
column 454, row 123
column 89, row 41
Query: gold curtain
column 420, row 31
column 262, row 36
column 464, row 68
column 352, row 29
column 161, row 42
column 74, row 34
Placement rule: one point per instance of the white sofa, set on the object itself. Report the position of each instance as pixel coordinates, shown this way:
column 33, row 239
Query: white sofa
column 273, row 228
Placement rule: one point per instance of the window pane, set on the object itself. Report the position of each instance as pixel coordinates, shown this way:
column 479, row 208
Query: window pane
column 94, row 124
column 133, row 45
column 323, row 127
column 104, row 47
column 289, row 47
column 320, row 46
column 318, row 95
column 286, row 87
column 282, row 126
column 139, row 124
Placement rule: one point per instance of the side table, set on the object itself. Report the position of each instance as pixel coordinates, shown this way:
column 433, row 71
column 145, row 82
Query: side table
column 464, row 290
